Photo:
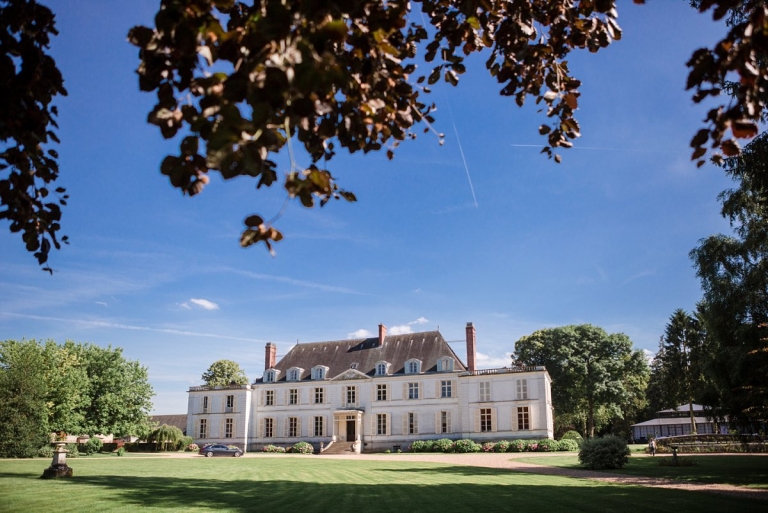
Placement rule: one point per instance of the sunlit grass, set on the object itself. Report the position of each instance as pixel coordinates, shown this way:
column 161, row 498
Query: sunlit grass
column 317, row 484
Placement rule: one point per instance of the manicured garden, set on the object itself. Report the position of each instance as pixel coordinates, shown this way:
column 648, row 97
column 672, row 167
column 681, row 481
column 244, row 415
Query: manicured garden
column 739, row 470
column 314, row 483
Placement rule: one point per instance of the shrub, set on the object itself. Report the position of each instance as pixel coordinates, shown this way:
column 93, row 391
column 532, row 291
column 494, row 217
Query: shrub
column 572, row 435
column 502, row 446
column 568, row 445
column 272, row 448
column 421, row 446
column 466, row 445
column 443, row 445
column 607, row 452
column 489, row 446
column 184, row 443
column 533, row 445
column 121, row 451
column 45, row 451
column 303, row 448
column 547, row 445
column 517, row 446
column 73, row 451
column 193, row 447
column 92, row 446
column 167, row 438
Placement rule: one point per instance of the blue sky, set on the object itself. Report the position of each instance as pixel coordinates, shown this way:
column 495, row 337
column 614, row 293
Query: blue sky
column 602, row 238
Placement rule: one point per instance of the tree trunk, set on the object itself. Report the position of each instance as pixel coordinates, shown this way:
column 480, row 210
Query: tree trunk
column 591, row 419
column 693, row 420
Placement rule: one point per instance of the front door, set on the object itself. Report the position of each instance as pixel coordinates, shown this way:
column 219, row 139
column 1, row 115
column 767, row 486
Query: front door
column 350, row 431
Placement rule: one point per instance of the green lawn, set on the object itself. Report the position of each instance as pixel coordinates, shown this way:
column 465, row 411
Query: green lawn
column 750, row 471
column 311, row 483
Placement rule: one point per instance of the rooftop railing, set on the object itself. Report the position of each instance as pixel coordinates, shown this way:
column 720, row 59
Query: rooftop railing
column 206, row 388
column 503, row 370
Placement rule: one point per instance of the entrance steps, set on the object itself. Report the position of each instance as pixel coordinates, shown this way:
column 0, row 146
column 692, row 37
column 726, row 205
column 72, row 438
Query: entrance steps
column 339, row 448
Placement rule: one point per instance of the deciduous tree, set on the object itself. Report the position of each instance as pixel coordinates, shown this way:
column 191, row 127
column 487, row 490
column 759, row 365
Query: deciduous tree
column 224, row 372
column 593, row 373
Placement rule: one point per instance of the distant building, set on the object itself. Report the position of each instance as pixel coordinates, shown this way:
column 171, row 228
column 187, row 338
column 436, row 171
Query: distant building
column 179, row 421
column 374, row 394
column 674, row 422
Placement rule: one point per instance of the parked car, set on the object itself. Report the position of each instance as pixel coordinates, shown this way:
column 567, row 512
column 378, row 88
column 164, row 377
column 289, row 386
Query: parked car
column 220, row 450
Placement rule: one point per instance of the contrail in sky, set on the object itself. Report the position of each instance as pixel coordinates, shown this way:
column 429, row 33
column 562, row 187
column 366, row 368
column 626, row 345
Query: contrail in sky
column 461, row 150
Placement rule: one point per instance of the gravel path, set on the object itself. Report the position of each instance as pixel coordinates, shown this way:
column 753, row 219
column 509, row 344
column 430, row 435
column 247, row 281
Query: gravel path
column 492, row 460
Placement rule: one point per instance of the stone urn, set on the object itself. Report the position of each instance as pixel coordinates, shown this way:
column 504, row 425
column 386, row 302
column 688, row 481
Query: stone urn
column 59, row 467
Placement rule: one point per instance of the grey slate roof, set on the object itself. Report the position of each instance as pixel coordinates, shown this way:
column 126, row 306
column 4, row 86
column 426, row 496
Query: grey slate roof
column 340, row 355
column 180, row 421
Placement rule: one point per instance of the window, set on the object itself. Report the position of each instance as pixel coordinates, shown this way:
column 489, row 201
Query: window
column 293, row 396
column 294, row 374
column 230, row 404
column 412, row 366
column 446, row 388
column 351, row 395
column 381, row 369
column 269, row 428
column 445, row 422
column 205, row 404
column 318, row 372
column 486, row 420
column 229, row 425
column 485, row 391
column 203, row 432
column 353, row 366
column 381, row 392
column 319, row 395
column 269, row 398
column 413, row 390
column 269, row 376
column 413, row 424
column 381, row 423
column 522, row 389
column 445, row 364
column 318, row 426
column 293, row 426
column 523, row 419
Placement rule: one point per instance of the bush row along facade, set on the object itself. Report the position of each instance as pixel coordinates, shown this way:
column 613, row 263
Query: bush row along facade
column 374, row 394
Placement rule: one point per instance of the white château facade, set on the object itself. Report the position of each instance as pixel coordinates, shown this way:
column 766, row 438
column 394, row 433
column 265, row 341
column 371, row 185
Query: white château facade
column 374, row 394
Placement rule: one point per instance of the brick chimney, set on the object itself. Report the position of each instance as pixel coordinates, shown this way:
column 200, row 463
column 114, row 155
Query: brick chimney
column 471, row 347
column 270, row 356
column 382, row 334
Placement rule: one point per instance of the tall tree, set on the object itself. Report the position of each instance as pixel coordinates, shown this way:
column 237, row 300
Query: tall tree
column 23, row 417
column 681, row 362
column 733, row 270
column 224, row 372
column 593, row 373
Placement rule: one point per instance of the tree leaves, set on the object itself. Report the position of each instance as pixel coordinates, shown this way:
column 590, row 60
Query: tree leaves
column 224, row 372
column 29, row 81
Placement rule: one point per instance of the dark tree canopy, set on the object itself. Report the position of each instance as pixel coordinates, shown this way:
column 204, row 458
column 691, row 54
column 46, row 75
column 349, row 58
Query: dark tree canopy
column 29, row 81
column 238, row 82
column 733, row 270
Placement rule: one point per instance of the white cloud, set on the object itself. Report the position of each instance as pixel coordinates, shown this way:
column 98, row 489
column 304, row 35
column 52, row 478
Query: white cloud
column 361, row 333
column 420, row 320
column 649, row 356
column 201, row 303
column 484, row 361
column 102, row 303
column 402, row 329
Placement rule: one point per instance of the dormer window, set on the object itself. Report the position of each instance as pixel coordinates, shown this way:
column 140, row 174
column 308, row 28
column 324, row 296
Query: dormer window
column 445, row 364
column 319, row 372
column 382, row 368
column 353, row 366
column 294, row 374
column 413, row 366
column 270, row 375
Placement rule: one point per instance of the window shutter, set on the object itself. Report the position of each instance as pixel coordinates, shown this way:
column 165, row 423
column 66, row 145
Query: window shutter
column 477, row 420
column 389, row 427
column 286, row 424
column 287, row 392
column 298, row 427
column 494, row 427
column 438, row 388
column 437, row 422
column 262, row 429
column 405, row 391
column 415, row 423
column 454, row 388
column 531, row 417
column 449, row 419
column 374, row 390
column 405, row 423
